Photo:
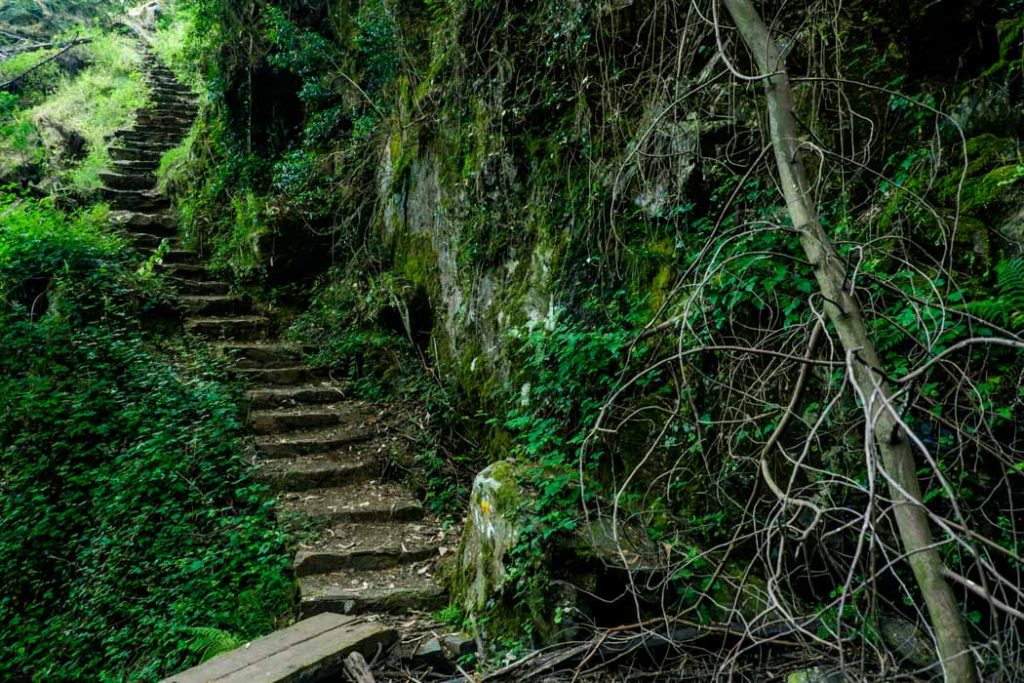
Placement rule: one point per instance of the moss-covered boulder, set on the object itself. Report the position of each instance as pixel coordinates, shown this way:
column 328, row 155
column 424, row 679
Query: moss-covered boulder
column 491, row 532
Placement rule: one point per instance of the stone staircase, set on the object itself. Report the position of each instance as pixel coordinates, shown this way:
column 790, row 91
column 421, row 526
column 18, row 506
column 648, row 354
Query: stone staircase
column 366, row 544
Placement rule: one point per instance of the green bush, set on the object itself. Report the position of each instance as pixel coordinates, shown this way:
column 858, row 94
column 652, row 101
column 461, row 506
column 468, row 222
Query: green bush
column 130, row 524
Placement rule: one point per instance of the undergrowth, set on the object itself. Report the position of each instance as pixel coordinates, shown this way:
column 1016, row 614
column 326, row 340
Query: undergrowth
column 131, row 528
column 56, row 126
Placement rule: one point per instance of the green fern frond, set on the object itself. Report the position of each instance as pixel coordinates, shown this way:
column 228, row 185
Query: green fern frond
column 209, row 642
column 1010, row 282
column 1007, row 307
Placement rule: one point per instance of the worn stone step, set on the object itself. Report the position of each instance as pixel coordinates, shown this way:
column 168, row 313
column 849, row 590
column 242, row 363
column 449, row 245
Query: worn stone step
column 325, row 470
column 215, row 304
column 138, row 201
column 188, row 287
column 166, row 120
column 270, row 397
column 369, row 547
column 125, row 181
column 364, row 503
column 189, row 271
column 137, row 167
column 264, row 355
column 171, row 87
column 161, row 223
column 132, row 153
column 164, row 126
column 147, row 243
column 182, row 256
column 157, row 139
column 163, row 101
column 299, row 374
column 355, row 416
column 396, row 591
column 311, row 650
column 294, row 444
column 236, row 327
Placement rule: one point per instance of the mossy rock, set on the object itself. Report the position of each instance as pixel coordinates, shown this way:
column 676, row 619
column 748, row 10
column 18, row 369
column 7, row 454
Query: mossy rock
column 492, row 530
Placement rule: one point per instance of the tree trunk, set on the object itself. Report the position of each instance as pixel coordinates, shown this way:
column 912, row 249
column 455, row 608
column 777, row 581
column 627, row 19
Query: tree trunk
column 845, row 314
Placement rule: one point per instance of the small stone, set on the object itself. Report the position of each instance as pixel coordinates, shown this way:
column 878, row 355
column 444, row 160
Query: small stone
column 907, row 641
column 458, row 644
column 816, row 674
column 430, row 654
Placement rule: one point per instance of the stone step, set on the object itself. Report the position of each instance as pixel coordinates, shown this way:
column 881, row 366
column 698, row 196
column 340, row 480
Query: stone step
column 133, row 153
column 164, row 224
column 148, row 244
column 164, row 102
column 167, row 120
column 271, row 397
column 170, row 87
column 189, row 271
column 237, row 327
column 298, row 374
column 362, row 503
column 311, row 650
column 355, row 416
column 396, row 591
column 155, row 139
column 138, row 201
column 325, row 470
column 214, row 305
column 263, row 355
column 156, row 123
column 181, row 256
column 136, row 167
column 369, row 547
column 120, row 181
column 297, row 443
column 187, row 287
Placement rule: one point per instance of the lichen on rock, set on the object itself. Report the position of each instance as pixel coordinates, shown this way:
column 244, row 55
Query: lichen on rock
column 492, row 530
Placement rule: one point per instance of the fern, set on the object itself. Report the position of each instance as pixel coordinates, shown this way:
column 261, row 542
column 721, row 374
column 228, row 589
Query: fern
column 207, row 642
column 1007, row 307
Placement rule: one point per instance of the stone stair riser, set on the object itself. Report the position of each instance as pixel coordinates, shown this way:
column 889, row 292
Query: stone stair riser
column 269, row 423
column 304, row 396
column 313, row 562
column 306, row 480
column 199, row 288
column 296, row 448
column 216, row 306
column 226, row 329
column 280, row 376
column 410, row 512
column 399, row 602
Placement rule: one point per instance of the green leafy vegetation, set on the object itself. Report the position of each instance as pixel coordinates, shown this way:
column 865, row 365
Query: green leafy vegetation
column 549, row 232
column 56, row 126
column 132, row 527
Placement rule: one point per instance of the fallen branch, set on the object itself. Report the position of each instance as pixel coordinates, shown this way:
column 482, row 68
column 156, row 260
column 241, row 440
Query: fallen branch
column 74, row 42
column 35, row 47
column 357, row 669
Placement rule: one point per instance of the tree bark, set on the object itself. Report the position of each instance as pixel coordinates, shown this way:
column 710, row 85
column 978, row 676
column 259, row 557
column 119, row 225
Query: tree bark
column 845, row 314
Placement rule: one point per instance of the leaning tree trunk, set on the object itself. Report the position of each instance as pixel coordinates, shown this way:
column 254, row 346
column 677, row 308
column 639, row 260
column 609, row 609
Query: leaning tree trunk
column 845, row 314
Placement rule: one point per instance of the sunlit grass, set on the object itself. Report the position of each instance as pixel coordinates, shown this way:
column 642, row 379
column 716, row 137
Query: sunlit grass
column 93, row 103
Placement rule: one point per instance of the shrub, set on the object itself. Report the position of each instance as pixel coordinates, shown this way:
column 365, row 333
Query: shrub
column 130, row 523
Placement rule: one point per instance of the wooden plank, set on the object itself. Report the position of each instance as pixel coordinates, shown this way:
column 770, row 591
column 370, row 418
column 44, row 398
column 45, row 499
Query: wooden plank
column 262, row 658
column 317, row 659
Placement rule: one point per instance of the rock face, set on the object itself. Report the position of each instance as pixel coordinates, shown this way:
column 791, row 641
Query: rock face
column 491, row 532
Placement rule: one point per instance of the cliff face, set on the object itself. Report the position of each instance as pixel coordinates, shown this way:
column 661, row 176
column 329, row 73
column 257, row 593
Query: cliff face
column 571, row 210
